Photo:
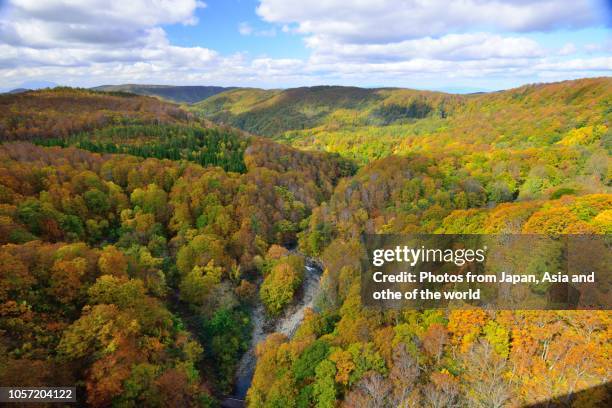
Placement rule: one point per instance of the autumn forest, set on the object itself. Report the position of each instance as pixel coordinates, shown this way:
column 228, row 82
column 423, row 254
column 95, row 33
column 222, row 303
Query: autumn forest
column 139, row 238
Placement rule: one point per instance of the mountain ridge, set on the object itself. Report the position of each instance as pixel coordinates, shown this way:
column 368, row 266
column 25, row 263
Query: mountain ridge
column 174, row 93
column 347, row 119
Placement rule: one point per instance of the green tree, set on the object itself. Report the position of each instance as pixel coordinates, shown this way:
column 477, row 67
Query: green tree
column 324, row 387
column 304, row 367
column 197, row 284
column 279, row 286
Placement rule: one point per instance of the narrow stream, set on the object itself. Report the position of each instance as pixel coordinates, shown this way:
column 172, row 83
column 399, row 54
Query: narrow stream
column 287, row 324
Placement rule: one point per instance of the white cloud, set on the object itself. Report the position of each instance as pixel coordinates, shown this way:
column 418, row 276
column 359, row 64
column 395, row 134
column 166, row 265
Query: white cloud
column 567, row 49
column 356, row 39
column 451, row 47
column 245, row 28
column 577, row 65
column 97, row 36
column 441, row 39
column 270, row 32
column 361, row 42
column 376, row 21
column 604, row 47
column 49, row 23
column 131, row 13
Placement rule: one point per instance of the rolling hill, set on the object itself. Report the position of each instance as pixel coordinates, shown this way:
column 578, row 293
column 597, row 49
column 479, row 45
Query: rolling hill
column 366, row 124
column 60, row 112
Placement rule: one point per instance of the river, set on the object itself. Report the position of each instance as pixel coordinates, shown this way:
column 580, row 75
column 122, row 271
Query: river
column 287, row 324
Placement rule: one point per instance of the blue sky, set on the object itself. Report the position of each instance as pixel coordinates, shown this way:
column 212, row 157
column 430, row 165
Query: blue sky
column 219, row 25
column 452, row 45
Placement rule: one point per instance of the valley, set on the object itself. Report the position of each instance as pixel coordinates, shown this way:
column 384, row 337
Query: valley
column 119, row 210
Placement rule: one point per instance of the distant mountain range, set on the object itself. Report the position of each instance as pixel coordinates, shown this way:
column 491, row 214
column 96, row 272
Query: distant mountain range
column 18, row 90
column 179, row 94
column 29, row 86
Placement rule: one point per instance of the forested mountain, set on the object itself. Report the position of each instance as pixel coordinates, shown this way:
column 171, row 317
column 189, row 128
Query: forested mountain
column 366, row 124
column 60, row 112
column 137, row 238
column 179, row 94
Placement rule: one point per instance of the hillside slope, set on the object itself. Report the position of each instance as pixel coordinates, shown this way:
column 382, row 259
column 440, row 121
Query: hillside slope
column 371, row 123
column 118, row 122
column 179, row 94
column 60, row 112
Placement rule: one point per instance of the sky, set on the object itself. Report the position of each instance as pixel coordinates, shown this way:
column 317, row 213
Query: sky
column 448, row 45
